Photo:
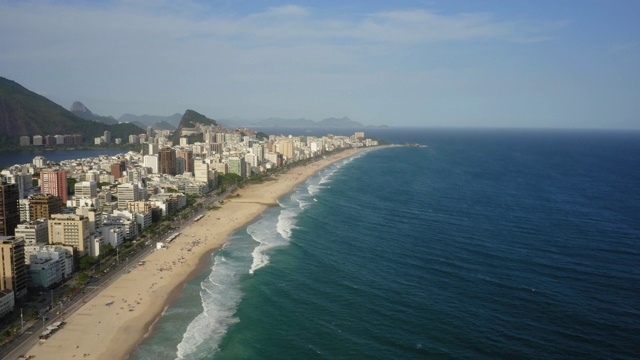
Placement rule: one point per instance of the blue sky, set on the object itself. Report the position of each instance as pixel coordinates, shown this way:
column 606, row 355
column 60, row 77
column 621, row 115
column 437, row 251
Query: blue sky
column 570, row 64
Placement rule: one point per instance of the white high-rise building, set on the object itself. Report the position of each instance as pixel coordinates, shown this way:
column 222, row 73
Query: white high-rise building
column 151, row 161
column 86, row 189
column 153, row 149
column 201, row 171
column 127, row 192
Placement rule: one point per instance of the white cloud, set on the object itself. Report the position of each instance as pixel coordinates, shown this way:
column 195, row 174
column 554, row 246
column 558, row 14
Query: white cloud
column 159, row 56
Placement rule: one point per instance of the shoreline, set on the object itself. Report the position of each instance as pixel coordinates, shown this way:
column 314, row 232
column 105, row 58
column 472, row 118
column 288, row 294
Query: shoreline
column 139, row 296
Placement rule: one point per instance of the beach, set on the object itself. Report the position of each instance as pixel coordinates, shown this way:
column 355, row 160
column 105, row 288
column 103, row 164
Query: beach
column 113, row 322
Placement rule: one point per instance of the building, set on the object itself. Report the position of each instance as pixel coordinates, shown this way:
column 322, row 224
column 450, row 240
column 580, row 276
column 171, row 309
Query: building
column 151, row 162
column 39, row 161
column 187, row 155
column 35, row 235
column 153, row 149
column 9, row 211
column 71, row 230
column 55, row 183
column 24, row 182
column 7, row 302
column 13, row 275
column 94, row 215
column 107, row 137
column 117, row 169
column 286, row 149
column 127, row 192
column 34, row 232
column 201, row 172
column 61, row 254
column 37, row 140
column 167, row 161
column 237, row 166
column 42, row 206
column 44, row 273
column 86, row 189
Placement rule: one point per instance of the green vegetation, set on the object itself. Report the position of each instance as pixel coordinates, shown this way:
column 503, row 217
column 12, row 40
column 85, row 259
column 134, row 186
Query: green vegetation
column 71, row 185
column 23, row 112
column 87, row 262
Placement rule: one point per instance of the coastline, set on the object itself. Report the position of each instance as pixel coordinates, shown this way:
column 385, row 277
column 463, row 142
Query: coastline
column 139, row 296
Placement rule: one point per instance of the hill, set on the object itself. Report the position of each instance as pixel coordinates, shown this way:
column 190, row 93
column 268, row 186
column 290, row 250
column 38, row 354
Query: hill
column 155, row 121
column 23, row 112
column 190, row 119
column 343, row 122
column 78, row 109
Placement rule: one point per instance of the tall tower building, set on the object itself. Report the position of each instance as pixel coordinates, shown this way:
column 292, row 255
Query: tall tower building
column 187, row 155
column 117, row 169
column 55, row 183
column 42, row 206
column 107, row 137
column 286, row 148
column 201, row 172
column 127, row 192
column 13, row 274
column 237, row 166
column 9, row 212
column 167, row 161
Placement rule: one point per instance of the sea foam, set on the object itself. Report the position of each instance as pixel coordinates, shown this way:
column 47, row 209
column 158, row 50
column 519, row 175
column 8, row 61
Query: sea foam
column 220, row 295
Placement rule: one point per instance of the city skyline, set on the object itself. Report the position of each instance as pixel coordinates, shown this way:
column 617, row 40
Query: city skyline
column 409, row 63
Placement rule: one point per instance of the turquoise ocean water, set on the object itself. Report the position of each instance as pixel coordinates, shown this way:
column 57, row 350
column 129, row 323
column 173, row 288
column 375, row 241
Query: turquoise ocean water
column 497, row 244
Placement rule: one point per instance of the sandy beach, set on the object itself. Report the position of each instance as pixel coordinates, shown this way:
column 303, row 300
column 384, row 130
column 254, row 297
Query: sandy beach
column 137, row 298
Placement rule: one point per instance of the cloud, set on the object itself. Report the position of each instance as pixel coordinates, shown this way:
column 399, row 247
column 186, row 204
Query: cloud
column 160, row 56
column 623, row 47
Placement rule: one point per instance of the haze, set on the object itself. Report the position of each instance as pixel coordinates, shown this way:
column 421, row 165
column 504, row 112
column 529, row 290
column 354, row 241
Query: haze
column 402, row 63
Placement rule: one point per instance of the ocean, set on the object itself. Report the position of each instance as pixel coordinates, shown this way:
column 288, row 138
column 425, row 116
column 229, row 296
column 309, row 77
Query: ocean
column 501, row 244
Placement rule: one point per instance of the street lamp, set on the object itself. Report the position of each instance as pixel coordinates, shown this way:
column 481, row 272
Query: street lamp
column 21, row 321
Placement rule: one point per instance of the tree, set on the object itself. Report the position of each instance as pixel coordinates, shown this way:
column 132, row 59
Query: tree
column 105, row 250
column 71, row 184
column 86, row 262
column 83, row 277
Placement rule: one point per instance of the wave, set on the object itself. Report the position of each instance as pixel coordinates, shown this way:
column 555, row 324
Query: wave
column 220, row 296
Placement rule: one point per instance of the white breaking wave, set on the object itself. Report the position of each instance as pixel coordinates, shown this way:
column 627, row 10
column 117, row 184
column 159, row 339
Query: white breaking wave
column 220, row 295
column 269, row 236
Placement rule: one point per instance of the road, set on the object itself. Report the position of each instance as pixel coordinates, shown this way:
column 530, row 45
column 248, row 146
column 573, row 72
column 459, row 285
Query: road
column 30, row 337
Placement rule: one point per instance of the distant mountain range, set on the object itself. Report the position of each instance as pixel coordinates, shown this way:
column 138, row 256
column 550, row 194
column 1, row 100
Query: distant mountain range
column 25, row 113
column 157, row 122
column 343, row 122
column 82, row 111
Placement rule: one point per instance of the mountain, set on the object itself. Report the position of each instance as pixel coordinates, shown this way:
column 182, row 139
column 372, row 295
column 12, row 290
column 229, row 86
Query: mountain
column 163, row 125
column 189, row 120
column 153, row 120
column 23, row 112
column 279, row 122
column 78, row 109
column 343, row 122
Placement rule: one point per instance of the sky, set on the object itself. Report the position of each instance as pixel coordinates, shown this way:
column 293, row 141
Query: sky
column 567, row 64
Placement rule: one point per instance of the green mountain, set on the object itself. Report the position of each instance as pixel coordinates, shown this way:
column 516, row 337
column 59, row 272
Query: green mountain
column 189, row 120
column 23, row 112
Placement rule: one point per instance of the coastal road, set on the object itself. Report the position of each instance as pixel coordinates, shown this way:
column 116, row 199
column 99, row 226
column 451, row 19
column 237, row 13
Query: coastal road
column 30, row 337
